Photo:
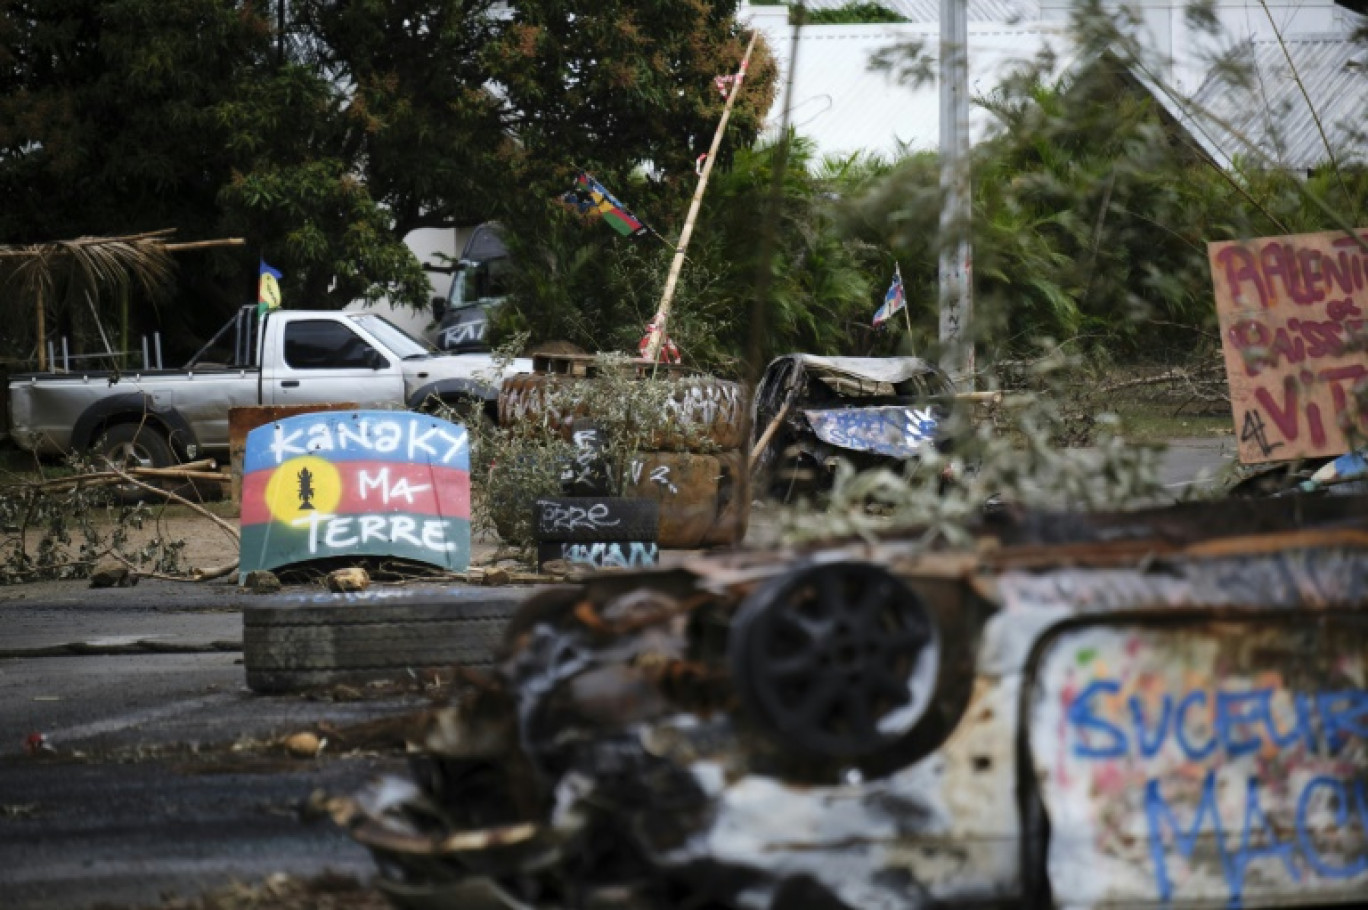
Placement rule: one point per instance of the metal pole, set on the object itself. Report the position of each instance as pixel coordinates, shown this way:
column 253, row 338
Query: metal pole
column 147, row 364
column 663, row 313
column 956, row 255
column 99, row 326
column 44, row 354
column 239, row 341
column 156, row 342
column 280, row 34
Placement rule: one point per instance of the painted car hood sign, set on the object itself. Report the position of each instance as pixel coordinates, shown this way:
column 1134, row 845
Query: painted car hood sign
column 349, row 483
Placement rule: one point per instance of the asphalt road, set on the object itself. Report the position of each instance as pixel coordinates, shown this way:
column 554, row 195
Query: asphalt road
column 1189, row 466
column 77, row 834
column 167, row 774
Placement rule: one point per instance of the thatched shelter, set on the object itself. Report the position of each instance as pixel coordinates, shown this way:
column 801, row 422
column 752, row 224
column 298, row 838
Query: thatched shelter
column 87, row 282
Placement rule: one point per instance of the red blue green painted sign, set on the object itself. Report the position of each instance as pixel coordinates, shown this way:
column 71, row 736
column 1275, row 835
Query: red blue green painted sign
column 356, row 483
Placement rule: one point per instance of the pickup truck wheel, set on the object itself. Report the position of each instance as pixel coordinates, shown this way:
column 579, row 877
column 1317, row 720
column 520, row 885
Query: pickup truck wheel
column 134, row 445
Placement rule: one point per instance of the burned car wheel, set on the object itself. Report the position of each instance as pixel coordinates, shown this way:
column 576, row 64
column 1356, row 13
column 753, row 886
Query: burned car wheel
column 838, row 662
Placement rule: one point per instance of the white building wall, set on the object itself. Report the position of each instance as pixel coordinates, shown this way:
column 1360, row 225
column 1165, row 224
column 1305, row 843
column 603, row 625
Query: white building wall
column 427, row 244
column 845, row 108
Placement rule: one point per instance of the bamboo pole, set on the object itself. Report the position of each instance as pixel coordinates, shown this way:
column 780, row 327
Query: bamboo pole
column 203, row 244
column 770, row 430
column 42, row 332
column 150, row 238
column 666, row 298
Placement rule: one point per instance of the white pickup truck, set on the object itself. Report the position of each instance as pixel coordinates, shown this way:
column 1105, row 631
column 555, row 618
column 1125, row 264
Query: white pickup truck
column 158, row 417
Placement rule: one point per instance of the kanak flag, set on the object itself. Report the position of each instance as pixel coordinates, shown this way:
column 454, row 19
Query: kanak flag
column 343, row 483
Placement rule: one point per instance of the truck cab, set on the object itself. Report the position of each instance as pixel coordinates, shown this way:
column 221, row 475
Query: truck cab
column 479, row 283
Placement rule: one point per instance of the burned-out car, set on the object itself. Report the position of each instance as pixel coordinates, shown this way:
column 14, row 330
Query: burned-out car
column 810, row 411
column 1163, row 708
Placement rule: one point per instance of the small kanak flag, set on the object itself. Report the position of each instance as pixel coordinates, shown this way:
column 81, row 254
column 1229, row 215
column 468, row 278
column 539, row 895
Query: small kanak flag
column 589, row 197
column 667, row 352
column 894, row 300
column 268, row 289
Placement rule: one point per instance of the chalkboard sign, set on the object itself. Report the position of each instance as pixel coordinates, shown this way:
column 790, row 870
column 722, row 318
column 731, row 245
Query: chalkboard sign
column 352, row 483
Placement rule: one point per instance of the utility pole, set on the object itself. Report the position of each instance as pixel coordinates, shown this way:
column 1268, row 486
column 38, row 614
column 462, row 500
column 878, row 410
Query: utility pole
column 280, row 33
column 956, row 254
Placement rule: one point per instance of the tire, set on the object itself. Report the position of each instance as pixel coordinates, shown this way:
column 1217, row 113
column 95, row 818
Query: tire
column 586, row 474
column 597, row 555
column 693, row 491
column 303, row 643
column 837, row 663
column 595, row 519
column 472, row 413
column 733, row 514
column 716, row 407
column 711, row 411
column 130, row 445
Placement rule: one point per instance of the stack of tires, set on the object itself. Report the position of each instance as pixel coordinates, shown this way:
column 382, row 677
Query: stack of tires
column 597, row 532
column 693, row 473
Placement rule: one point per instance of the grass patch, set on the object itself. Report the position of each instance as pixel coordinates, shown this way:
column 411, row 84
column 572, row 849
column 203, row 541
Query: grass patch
column 1153, row 421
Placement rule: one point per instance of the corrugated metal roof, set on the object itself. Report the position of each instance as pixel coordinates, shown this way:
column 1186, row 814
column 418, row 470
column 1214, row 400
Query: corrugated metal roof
column 929, row 10
column 1271, row 112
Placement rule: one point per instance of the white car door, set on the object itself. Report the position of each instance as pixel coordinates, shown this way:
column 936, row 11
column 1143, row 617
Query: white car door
column 326, row 360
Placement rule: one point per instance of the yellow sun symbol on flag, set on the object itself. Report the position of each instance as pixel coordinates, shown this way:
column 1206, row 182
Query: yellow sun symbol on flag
column 268, row 291
column 301, row 486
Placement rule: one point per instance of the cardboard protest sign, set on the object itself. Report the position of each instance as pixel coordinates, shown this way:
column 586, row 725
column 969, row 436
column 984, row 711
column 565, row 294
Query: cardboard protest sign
column 1288, row 308
column 347, row 483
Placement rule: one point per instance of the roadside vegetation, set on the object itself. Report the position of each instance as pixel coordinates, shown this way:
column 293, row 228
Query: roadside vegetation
column 328, row 143
column 54, row 527
column 1091, row 210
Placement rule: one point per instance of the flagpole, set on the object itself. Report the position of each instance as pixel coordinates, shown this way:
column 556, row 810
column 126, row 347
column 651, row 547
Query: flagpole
column 906, row 315
column 663, row 313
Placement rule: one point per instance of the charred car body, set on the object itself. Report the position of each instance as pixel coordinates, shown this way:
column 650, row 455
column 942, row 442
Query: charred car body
column 1165, row 708
column 810, row 411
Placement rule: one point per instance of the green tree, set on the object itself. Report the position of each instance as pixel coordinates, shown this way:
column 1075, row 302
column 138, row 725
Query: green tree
column 367, row 119
column 1091, row 218
column 582, row 283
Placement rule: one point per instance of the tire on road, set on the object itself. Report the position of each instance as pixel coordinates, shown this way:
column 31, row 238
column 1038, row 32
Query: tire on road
column 302, row 644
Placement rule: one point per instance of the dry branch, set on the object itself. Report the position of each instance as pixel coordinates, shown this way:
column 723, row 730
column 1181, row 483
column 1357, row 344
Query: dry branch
column 116, row 476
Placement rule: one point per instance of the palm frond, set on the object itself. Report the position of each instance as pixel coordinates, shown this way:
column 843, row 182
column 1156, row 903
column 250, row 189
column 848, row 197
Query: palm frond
column 65, row 274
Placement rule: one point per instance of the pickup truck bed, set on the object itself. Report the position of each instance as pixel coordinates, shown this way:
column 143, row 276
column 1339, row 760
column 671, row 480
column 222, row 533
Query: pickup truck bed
column 290, row 357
